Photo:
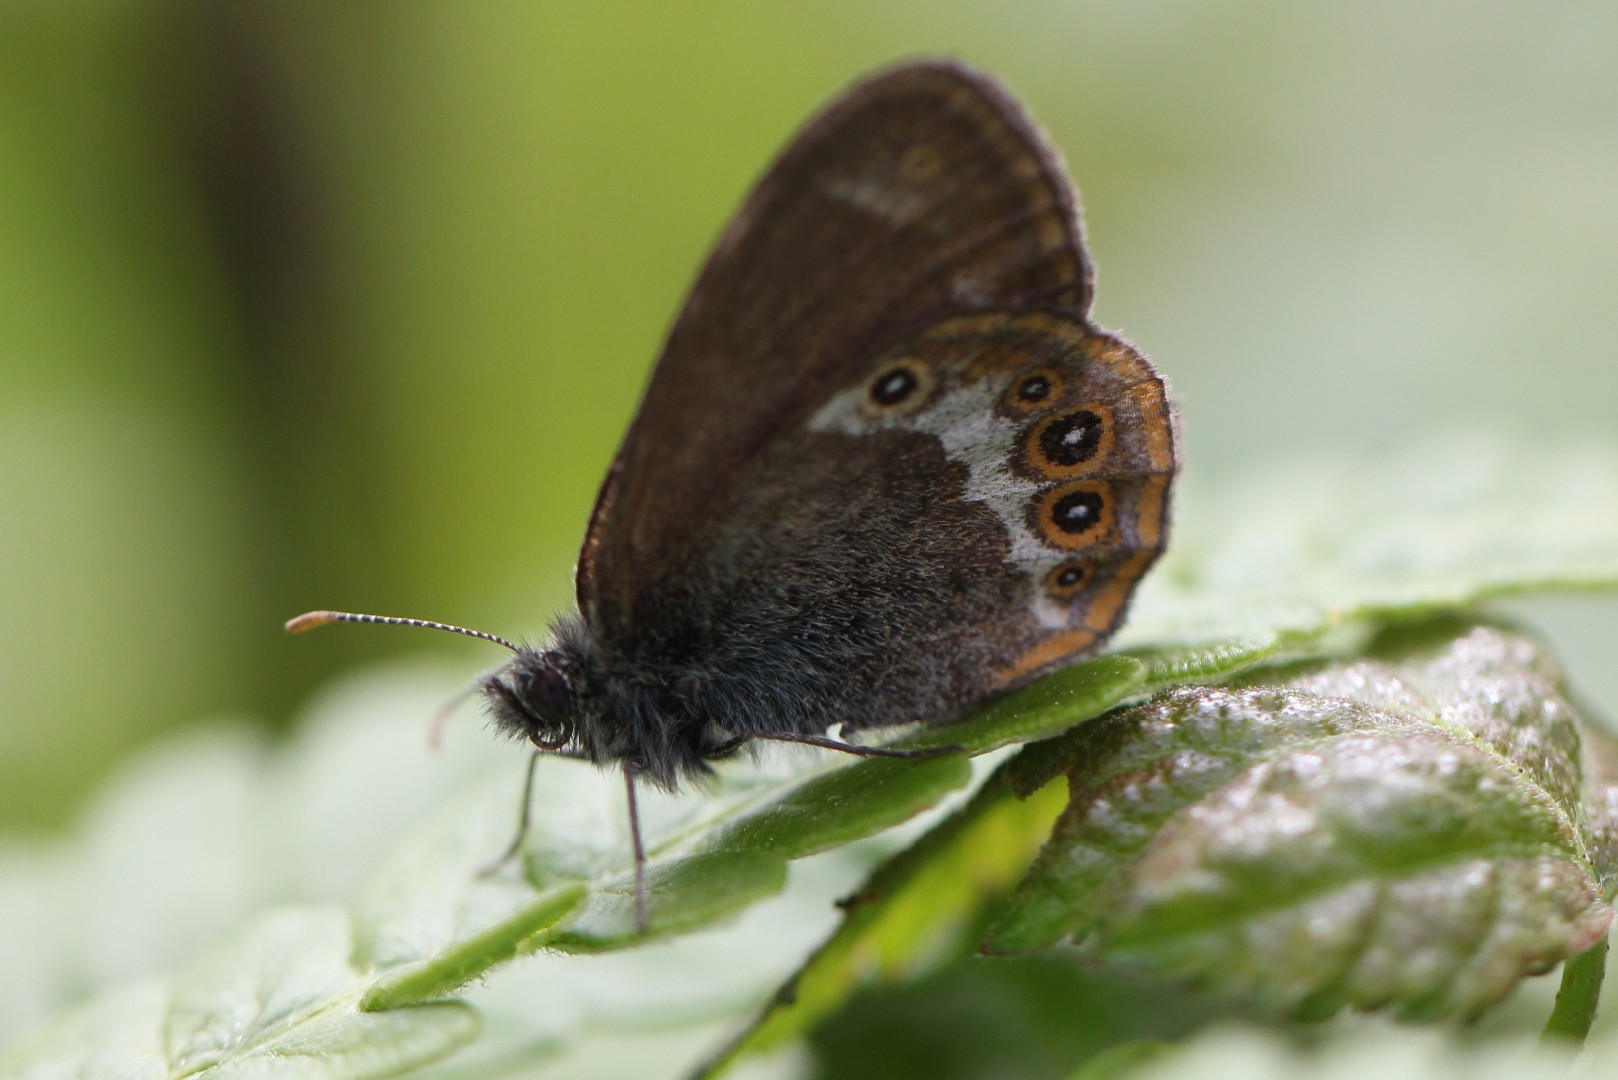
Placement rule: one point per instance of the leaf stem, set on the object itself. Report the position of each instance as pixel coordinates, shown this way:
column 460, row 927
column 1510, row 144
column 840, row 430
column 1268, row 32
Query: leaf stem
column 1576, row 999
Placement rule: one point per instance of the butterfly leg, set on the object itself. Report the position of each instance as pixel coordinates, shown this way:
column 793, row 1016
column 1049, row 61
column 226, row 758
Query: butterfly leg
column 844, row 747
column 435, row 733
column 525, row 807
column 641, row 921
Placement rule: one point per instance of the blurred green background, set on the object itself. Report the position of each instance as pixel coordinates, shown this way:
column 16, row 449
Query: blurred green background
column 347, row 304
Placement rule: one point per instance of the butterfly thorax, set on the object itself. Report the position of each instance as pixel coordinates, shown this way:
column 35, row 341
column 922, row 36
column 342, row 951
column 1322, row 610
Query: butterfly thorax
column 572, row 697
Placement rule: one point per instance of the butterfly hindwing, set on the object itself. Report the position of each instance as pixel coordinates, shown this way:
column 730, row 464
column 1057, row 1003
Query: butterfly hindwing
column 1065, row 434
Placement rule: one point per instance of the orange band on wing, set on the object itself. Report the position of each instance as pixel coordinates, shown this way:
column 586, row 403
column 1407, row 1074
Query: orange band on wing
column 1054, row 648
column 1156, row 428
column 1113, row 354
column 1107, row 602
column 1149, row 516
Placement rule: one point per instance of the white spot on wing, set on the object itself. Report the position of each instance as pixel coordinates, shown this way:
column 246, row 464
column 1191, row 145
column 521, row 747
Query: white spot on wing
column 888, row 202
column 969, row 290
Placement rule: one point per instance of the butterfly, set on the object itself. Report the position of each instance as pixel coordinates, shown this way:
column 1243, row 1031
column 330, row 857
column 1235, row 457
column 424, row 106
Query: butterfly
column 885, row 469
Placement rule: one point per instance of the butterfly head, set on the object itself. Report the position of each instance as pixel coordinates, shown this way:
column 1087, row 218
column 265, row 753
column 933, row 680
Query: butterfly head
column 536, row 698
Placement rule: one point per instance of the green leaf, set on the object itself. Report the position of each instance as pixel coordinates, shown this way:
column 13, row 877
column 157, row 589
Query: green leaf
column 431, row 908
column 118, row 1032
column 1404, row 830
column 1052, row 704
column 916, row 913
column 257, row 985
column 1373, row 1048
column 1600, row 802
column 277, row 999
column 1123, row 1060
column 1280, row 590
column 843, row 805
column 682, row 895
column 356, row 1045
column 431, row 920
column 1292, row 550
column 710, row 859
column 475, row 953
column 1171, row 665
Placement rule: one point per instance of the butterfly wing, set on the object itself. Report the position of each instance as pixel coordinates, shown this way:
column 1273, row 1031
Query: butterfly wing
column 923, row 191
column 771, row 522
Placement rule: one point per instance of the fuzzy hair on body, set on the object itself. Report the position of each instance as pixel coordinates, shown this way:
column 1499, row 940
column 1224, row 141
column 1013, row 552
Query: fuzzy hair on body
column 850, row 610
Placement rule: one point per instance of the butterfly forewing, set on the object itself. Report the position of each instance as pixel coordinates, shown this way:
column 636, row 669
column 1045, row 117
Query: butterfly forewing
column 923, row 192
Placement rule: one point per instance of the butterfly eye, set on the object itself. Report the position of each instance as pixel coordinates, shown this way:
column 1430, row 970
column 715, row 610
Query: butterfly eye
column 1034, row 390
column 549, row 695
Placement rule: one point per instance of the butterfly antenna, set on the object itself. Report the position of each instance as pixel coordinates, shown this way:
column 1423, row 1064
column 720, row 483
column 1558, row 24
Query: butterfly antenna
column 311, row 619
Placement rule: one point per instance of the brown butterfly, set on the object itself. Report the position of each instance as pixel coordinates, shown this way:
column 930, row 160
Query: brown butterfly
column 885, row 469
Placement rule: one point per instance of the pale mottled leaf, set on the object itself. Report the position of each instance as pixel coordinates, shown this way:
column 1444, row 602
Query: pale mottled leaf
column 278, row 999
column 1293, row 548
column 1433, row 788
column 1405, row 830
